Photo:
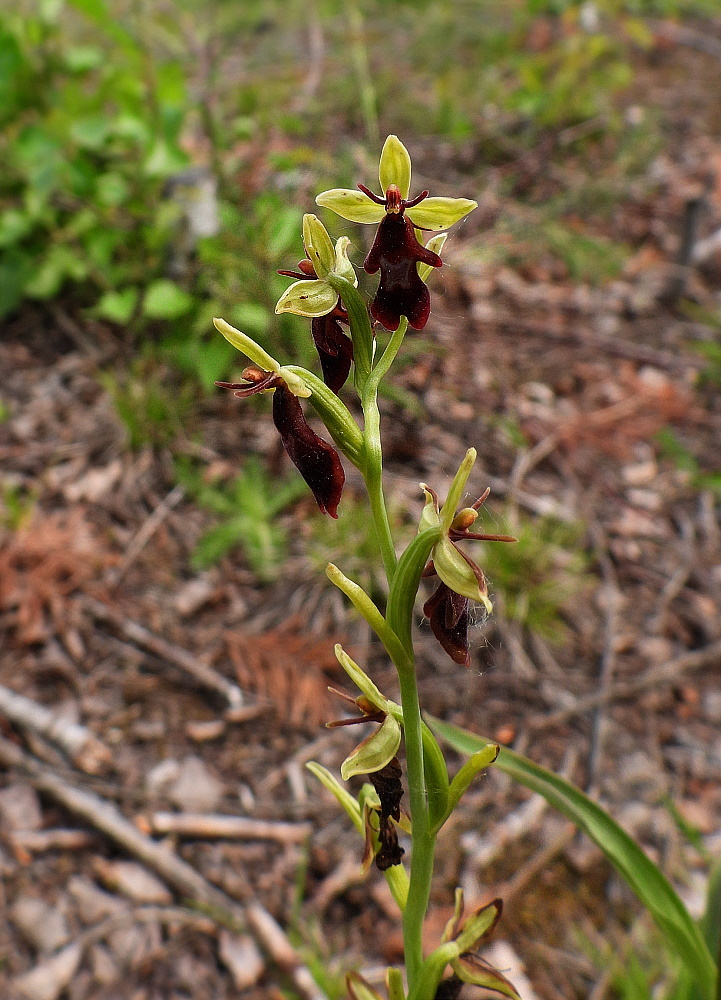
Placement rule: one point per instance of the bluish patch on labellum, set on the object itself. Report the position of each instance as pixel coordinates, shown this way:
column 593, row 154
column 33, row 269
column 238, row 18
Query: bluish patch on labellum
column 315, row 459
column 335, row 349
column 396, row 253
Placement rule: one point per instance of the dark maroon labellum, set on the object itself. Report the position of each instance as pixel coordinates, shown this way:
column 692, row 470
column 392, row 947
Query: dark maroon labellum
column 448, row 616
column 316, row 460
column 335, row 349
column 387, row 782
column 396, row 251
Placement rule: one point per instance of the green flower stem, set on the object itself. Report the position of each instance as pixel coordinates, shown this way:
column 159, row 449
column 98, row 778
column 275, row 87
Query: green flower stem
column 388, row 357
column 373, row 476
column 423, row 841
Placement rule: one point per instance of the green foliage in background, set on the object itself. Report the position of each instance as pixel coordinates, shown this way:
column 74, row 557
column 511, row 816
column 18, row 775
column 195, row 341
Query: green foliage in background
column 107, row 108
column 153, row 404
column 537, row 575
column 248, row 509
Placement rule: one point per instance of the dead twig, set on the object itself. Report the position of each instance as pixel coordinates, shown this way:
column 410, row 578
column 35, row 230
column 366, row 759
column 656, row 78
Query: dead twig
column 656, row 677
column 228, row 827
column 38, row 841
column 178, row 874
column 145, row 533
column 181, row 658
column 84, row 749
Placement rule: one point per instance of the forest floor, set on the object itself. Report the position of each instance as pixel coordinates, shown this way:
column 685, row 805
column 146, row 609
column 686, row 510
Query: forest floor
column 596, row 412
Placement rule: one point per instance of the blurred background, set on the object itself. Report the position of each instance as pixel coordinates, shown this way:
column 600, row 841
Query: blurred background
column 161, row 562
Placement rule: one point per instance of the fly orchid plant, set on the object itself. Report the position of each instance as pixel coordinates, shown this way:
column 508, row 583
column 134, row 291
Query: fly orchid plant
column 326, row 291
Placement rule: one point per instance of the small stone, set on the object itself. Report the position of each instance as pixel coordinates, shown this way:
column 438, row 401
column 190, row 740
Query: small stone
column 162, row 776
column 92, row 903
column 195, row 789
column 104, row 968
column 132, row 945
column 42, row 925
column 202, row 732
column 20, row 808
column 640, row 474
column 239, row 953
column 48, row 980
column 191, row 597
column 711, row 702
column 133, row 881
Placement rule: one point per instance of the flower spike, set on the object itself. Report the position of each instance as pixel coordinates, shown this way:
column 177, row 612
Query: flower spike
column 402, row 261
column 461, row 578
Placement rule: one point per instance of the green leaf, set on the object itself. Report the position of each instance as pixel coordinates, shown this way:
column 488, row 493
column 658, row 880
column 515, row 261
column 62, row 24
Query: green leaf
column 166, row 300
column 118, row 307
column 637, row 870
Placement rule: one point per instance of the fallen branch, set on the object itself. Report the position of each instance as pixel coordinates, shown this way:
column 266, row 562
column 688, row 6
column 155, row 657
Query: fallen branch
column 84, row 749
column 181, row 658
column 227, row 827
column 178, row 874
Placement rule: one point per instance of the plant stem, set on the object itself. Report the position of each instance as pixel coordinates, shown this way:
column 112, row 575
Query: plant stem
column 423, row 841
column 373, row 475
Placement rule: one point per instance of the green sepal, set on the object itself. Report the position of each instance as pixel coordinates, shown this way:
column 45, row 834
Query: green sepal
column 295, row 382
column 469, row 969
column 429, row 514
column 308, row 297
column 335, row 415
column 246, row 345
column 457, row 489
column 457, row 573
column 480, row 760
column 436, row 244
column 394, row 984
column 373, row 753
column 343, row 266
column 351, row 205
column 395, row 166
column 361, row 680
column 318, row 246
column 478, row 925
column 344, row 798
column 406, row 580
column 440, row 213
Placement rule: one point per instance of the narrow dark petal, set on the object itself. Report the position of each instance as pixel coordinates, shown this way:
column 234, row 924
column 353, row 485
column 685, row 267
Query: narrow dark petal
column 256, row 380
column 447, row 613
column 316, row 460
column 458, row 536
column 335, row 350
column 395, row 252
